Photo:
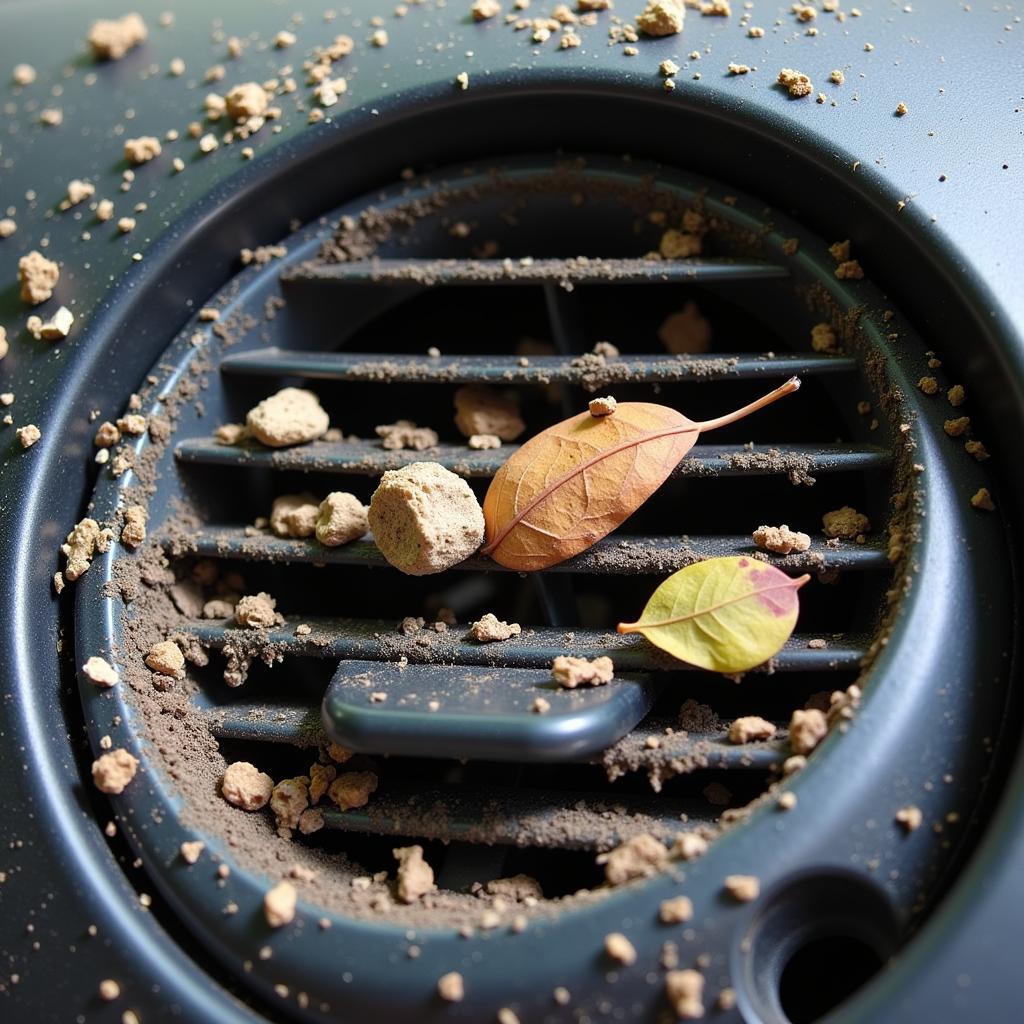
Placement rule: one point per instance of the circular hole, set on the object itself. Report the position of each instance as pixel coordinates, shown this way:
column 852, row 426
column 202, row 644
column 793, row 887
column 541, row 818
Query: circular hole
column 814, row 942
column 824, row 972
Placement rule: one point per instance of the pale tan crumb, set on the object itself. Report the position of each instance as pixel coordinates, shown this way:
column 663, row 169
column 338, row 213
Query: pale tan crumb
column 642, row 856
column 685, row 993
column 28, row 435
column 804, row 12
column 104, row 210
column 133, row 533
column 82, row 544
column 257, row 611
column 406, row 435
column 338, row 754
column 823, row 338
column 415, row 875
column 245, row 786
column 191, row 851
column 807, row 728
column 817, row 644
column 490, row 629
column 680, row 245
column 836, row 77
column 99, row 671
column 289, row 417
column 677, row 910
column 507, row 1016
column 294, row 515
column 929, row 385
column 750, row 728
column 23, row 74
column 379, row 38
column 849, row 270
column 981, row 499
column 661, row 18
column 620, row 949
column 484, row 9
column 132, row 423
column 977, row 450
column 112, row 772
column 341, row 519
column 845, row 522
column 249, row 99
column 956, row 395
column 726, row 999
column 78, row 192
column 279, row 905
column 284, row 39
column 755, row 32
column 569, row 671
column 111, row 39
column 743, row 888
column 787, row 801
column 178, row 164
column 479, row 410
column 600, row 407
column 451, row 987
column 208, row 143
column 7, row 227
column 7, row 398
column 668, row 68
column 738, row 69
column 795, row 83
column 483, row 442
column 540, row 706
column 142, row 150
column 38, row 277
column 780, row 540
column 352, row 789
column 910, row 818
column 176, row 67
column 957, row 427
column 51, row 116
column 109, row 990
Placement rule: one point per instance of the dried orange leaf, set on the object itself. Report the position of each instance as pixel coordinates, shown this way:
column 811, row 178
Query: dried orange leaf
column 724, row 614
column 575, row 482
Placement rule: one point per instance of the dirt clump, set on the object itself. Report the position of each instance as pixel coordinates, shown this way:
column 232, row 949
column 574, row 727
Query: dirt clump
column 425, row 519
column 677, row 910
column 807, row 728
column 289, row 417
column 38, row 277
column 166, row 659
column 415, row 875
column 490, row 629
column 352, row 789
column 620, row 949
column 743, row 888
column 279, row 905
column 639, row 857
column 257, row 611
column 404, row 434
column 569, row 671
column 661, row 18
column 341, row 519
column 112, row 38
column 142, row 150
column 846, row 523
column 245, row 786
column 685, row 992
column 479, row 410
column 295, row 515
column 83, row 543
column 750, row 728
column 99, row 671
column 113, row 771
column 780, row 540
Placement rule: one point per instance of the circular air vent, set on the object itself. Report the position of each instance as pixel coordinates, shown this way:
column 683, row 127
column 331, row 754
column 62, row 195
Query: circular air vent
column 536, row 278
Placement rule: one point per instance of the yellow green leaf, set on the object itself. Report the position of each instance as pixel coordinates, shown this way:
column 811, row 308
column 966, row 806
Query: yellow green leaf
column 724, row 614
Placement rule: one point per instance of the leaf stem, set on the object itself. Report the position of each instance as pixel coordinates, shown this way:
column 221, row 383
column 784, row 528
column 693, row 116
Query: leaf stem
column 791, row 385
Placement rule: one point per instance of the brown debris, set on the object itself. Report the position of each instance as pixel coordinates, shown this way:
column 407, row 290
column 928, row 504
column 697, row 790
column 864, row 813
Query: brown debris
column 490, row 629
column 133, row 533
column 245, row 786
column 910, row 818
column 981, row 499
column 341, row 519
column 246, row 100
column 404, row 434
column 661, row 18
column 352, row 789
column 479, row 410
column 956, row 395
column 743, row 888
column 294, row 515
column 602, row 406
column 279, row 905
column 795, row 83
column 165, row 657
column 677, row 910
column 111, row 39
column 82, row 545
column 807, row 728
column 823, row 338
column 845, row 522
column 620, row 949
column 750, row 728
column 686, row 332
column 38, row 277
column 780, row 539
column 113, row 771
column 570, row 672
column 289, row 798
column 415, row 875
column 685, row 993
column 451, row 988
column 289, row 417
column 142, row 150
column 258, row 611
column 425, row 519
column 639, row 857
column 99, row 671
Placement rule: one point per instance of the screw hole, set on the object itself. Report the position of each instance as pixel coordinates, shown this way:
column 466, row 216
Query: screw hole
column 823, row 973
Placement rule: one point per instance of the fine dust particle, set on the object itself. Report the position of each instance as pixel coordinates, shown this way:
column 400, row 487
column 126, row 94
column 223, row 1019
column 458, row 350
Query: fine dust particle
column 451, row 987
column 99, row 671
column 780, row 540
column 743, row 888
column 425, row 519
column 28, row 435
column 807, row 728
column 415, row 875
column 661, row 18
column 845, row 522
column 279, row 905
column 289, row 417
column 981, row 499
column 38, row 277
column 901, row 109
column 750, row 728
column 910, row 818
column 113, row 771
column 570, row 672
column 795, row 83
column 685, row 993
column 111, row 39
column 490, row 629
column 639, row 857
column 676, row 910
column 341, row 519
column 956, row 395
column 142, row 150
column 245, row 786
column 620, row 949
column 109, row 990
column 462, row 80
column 191, row 851
column 602, row 406
column 786, row 801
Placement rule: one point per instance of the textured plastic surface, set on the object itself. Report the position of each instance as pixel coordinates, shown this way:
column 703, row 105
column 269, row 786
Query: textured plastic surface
column 799, row 155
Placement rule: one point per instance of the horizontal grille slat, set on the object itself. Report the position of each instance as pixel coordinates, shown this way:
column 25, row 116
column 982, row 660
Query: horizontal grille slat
column 618, row 556
column 300, row 726
column 377, row 640
column 541, row 370
column 368, row 458
column 519, row 817
column 566, row 272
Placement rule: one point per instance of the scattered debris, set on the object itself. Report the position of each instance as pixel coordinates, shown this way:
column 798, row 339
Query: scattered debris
column 111, row 39
column 846, row 523
column 451, row 988
column 780, row 540
column 404, row 434
column 113, row 771
column 28, row 435
column 352, row 789
column 166, row 658
column 620, row 949
column 639, row 857
column 245, row 786
column 685, row 993
column 807, row 728
column 257, row 611
column 569, row 671
column 142, row 150
column 749, row 729
column 677, row 910
column 795, row 83
column 289, row 417
column 191, row 851
column 661, row 18
column 490, row 629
